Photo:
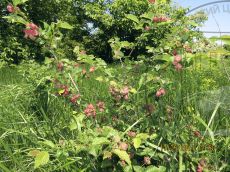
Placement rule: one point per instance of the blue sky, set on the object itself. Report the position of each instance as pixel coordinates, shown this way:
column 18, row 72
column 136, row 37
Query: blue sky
column 220, row 11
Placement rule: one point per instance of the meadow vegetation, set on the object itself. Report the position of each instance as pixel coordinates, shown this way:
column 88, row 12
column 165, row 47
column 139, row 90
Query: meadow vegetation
column 151, row 96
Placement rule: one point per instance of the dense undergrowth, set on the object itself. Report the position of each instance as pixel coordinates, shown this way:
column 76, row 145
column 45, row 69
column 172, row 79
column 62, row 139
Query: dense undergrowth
column 187, row 126
column 162, row 105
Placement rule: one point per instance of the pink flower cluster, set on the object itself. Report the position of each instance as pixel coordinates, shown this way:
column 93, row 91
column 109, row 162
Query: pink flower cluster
column 75, row 98
column 66, row 90
column 31, row 31
column 11, row 8
column 119, row 94
column 160, row 19
column 92, row 69
column 90, row 110
column 176, row 62
column 160, row 92
column 101, row 106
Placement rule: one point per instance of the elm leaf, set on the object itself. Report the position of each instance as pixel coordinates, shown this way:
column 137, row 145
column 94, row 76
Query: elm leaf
column 123, row 155
column 41, row 159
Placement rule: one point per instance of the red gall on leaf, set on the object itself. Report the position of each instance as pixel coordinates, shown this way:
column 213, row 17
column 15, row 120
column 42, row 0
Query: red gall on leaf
column 147, row 160
column 66, row 90
column 10, row 8
column 83, row 71
column 160, row 92
column 31, row 31
column 132, row 134
column 74, row 98
column 199, row 168
column 123, row 146
column 152, row 1
column 92, row 69
column 174, row 52
column 178, row 67
column 147, row 28
column 60, row 66
column 177, row 58
column 197, row 133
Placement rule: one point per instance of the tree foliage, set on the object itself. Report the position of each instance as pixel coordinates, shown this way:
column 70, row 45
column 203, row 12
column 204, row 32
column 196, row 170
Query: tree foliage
column 98, row 22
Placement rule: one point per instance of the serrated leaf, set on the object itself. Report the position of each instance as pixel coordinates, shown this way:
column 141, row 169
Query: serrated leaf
column 49, row 143
column 41, row 159
column 137, row 142
column 148, row 15
column 112, row 83
column 76, row 123
column 64, row 25
column 18, row 2
column 118, row 54
column 100, row 79
column 153, row 136
column 142, row 136
column 132, row 17
column 123, row 155
column 100, row 141
column 15, row 19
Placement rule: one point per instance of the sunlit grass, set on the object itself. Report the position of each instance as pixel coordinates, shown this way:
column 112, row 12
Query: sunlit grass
column 29, row 115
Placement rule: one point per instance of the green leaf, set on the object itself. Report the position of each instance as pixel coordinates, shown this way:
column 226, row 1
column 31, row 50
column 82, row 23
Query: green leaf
column 155, row 169
column 162, row 1
column 77, row 50
column 76, row 123
column 49, row 143
column 107, row 154
column 18, row 2
column 61, row 91
column 64, row 25
column 142, row 136
column 100, row 141
column 127, row 168
column 41, row 159
column 148, row 15
column 206, row 126
column 15, row 19
column 100, row 78
column 136, row 142
column 132, row 17
column 138, row 168
column 118, row 54
column 193, row 23
column 122, row 155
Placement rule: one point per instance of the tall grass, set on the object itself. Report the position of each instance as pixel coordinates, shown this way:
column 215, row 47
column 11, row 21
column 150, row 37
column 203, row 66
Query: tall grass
column 32, row 114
